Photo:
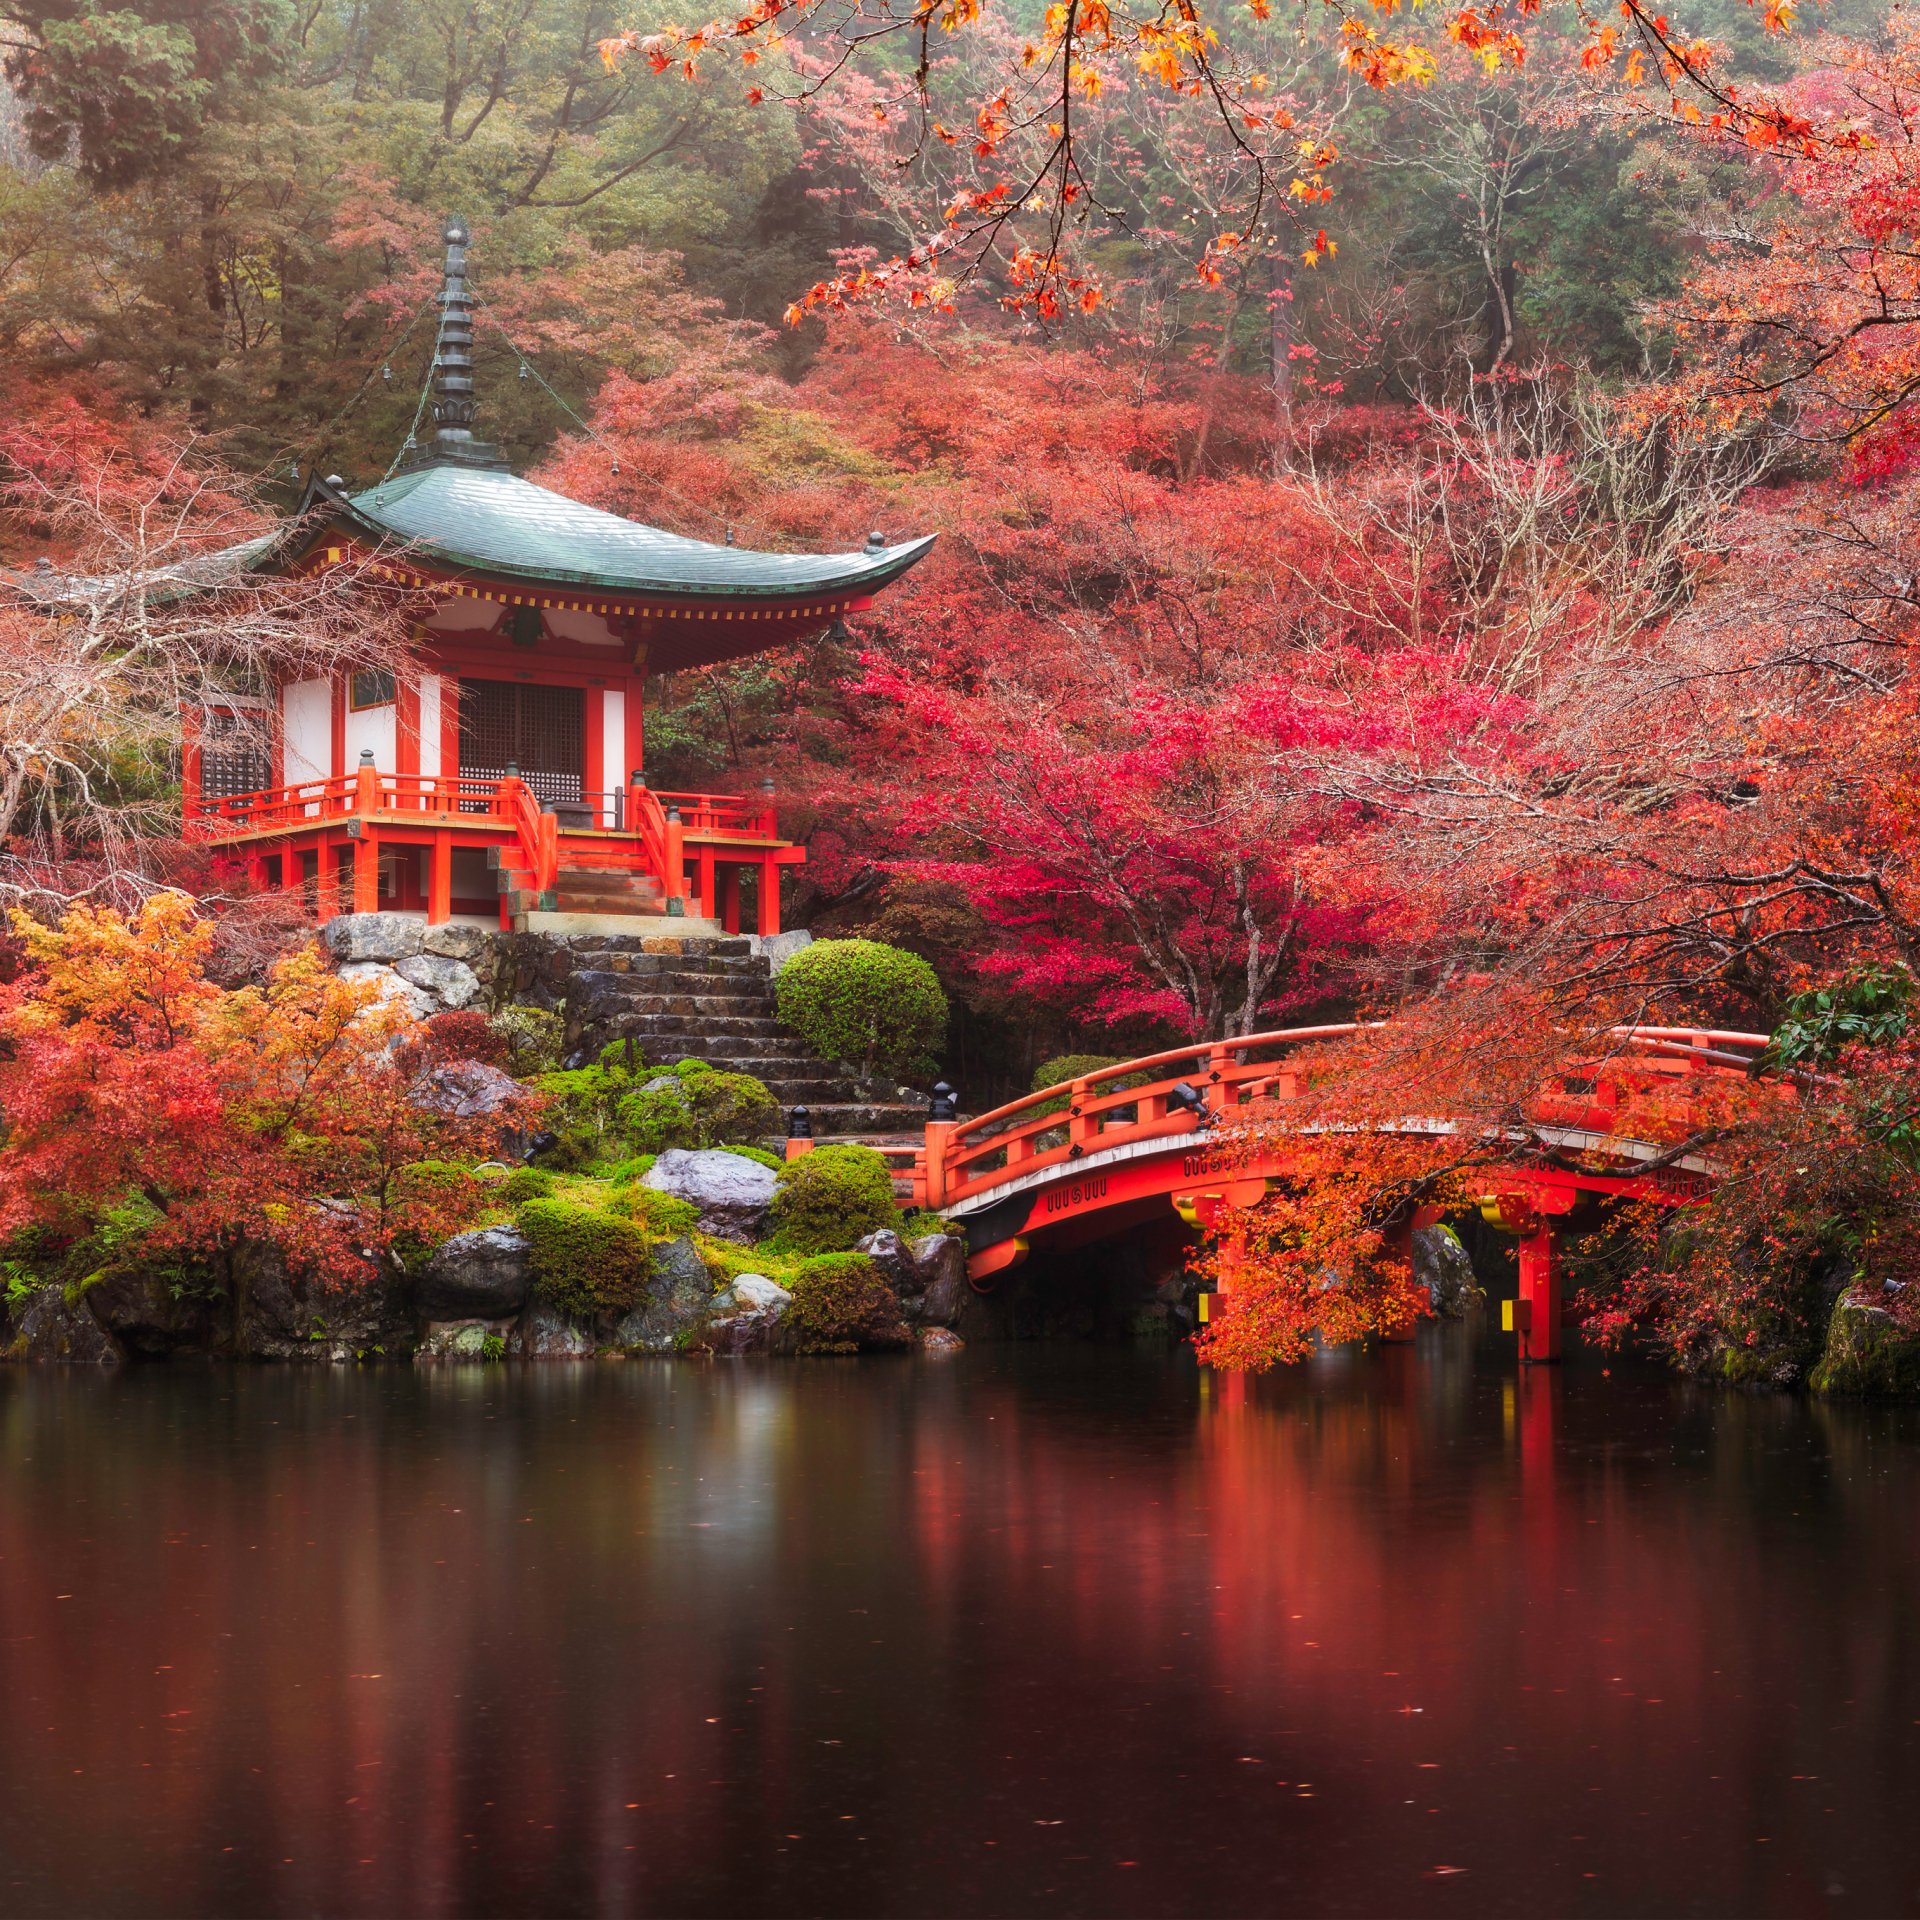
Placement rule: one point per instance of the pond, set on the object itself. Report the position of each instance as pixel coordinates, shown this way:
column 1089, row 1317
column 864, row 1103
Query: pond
column 1047, row 1630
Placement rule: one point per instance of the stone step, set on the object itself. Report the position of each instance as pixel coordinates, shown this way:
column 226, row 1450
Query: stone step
column 605, row 926
column 700, row 1013
column 814, row 1095
column 642, row 994
column 685, row 1013
column 605, row 955
column 847, row 1119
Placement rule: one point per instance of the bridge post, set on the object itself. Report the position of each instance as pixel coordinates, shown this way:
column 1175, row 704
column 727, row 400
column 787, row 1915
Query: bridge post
column 937, row 1135
column 1537, row 1311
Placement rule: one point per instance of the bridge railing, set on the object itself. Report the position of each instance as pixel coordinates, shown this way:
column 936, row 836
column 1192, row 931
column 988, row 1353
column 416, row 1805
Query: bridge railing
column 1161, row 1095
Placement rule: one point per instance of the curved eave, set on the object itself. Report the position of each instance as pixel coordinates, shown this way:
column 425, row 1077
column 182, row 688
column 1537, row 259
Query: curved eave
column 861, row 578
column 857, row 575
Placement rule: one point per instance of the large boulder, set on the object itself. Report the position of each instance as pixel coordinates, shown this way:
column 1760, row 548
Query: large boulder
column 930, row 1276
column 753, row 1293
column 451, row 982
column 281, row 1313
column 1870, row 1353
column 545, row 1333
column 464, row 1340
column 734, row 1194
column 483, row 1275
column 51, row 1328
column 457, row 942
column 148, row 1315
column 679, row 1298
column 1440, row 1264
column 466, row 1089
column 374, row 936
column 391, row 988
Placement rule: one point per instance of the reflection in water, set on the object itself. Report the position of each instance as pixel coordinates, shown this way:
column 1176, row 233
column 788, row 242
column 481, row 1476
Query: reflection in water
column 1048, row 1631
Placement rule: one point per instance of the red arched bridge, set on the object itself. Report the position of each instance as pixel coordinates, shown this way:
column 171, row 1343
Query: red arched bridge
column 1094, row 1157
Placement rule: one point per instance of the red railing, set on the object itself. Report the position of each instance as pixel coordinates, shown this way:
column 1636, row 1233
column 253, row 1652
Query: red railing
column 434, row 796
column 723, row 814
column 1140, row 1100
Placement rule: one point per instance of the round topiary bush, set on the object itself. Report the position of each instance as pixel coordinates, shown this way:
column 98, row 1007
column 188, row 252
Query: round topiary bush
column 841, row 1303
column 585, row 1261
column 828, row 1200
column 878, row 1006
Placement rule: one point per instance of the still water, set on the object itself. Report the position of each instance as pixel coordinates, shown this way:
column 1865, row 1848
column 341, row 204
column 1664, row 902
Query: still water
column 1033, row 1631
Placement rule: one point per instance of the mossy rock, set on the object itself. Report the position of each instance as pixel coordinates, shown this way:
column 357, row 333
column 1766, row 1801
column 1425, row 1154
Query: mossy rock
column 696, row 1105
column 843, row 1304
column 527, row 1183
column 1869, row 1354
column 587, row 1261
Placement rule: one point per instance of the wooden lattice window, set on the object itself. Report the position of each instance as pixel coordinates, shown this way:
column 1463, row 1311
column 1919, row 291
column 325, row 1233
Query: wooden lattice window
column 234, row 758
column 539, row 730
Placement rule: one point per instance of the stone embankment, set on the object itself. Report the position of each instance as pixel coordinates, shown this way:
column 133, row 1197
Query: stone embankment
column 475, row 1297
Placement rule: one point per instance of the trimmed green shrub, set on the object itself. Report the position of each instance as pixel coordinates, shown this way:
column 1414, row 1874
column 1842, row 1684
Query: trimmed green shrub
column 426, row 1178
column 761, row 1154
column 626, row 1173
column 585, row 1260
column 704, row 1106
column 532, row 1037
column 526, row 1183
column 830, row 1198
column 841, row 1304
column 860, row 1001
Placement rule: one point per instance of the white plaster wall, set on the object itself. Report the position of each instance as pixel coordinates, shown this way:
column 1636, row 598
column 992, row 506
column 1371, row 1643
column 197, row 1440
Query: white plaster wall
column 590, row 629
column 613, row 738
column 371, row 727
column 462, row 616
column 307, row 715
column 429, row 723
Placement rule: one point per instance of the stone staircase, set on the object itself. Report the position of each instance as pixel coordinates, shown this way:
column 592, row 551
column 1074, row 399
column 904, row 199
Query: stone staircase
column 680, row 997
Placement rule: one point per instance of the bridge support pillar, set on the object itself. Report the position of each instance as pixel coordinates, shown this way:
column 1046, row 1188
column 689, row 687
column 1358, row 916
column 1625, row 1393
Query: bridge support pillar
column 1536, row 1314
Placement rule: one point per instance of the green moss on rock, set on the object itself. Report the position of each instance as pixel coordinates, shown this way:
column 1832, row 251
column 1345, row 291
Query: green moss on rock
column 1869, row 1354
column 587, row 1261
column 842, row 1304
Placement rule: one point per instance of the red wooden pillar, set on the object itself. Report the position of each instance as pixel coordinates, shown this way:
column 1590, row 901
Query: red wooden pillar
column 769, row 902
column 326, row 879
column 406, row 727
column 704, row 862
column 290, row 875
column 191, row 719
column 594, row 782
column 366, row 873
column 728, row 906
column 1536, row 1313
column 440, row 879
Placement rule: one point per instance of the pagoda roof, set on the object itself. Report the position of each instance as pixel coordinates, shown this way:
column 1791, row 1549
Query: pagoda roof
column 486, row 520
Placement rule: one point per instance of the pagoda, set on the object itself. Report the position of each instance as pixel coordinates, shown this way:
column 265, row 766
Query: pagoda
column 503, row 774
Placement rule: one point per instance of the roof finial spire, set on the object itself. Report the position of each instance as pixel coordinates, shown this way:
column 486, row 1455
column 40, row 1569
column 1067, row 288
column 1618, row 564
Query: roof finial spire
column 453, row 404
